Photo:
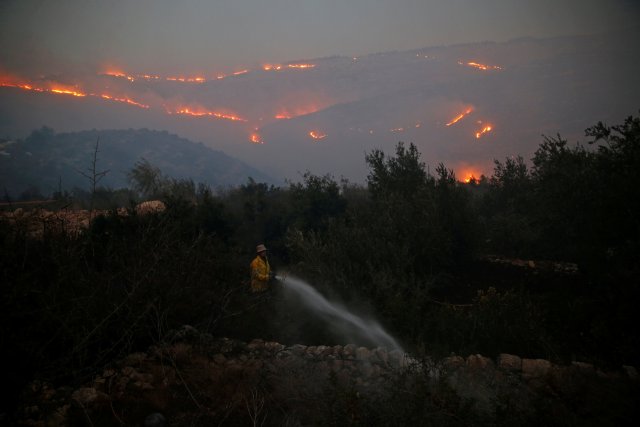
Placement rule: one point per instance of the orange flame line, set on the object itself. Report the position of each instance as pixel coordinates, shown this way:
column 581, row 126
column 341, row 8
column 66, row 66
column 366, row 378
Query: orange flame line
column 189, row 112
column 483, row 131
column 459, row 117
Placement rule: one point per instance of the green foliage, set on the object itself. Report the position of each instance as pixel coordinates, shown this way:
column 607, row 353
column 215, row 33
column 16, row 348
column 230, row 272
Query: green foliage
column 404, row 247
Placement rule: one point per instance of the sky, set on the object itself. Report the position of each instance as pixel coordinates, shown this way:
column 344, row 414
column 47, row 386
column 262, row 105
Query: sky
column 202, row 36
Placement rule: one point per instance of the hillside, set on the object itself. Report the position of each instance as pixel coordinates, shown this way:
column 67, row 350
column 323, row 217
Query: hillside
column 47, row 159
column 520, row 89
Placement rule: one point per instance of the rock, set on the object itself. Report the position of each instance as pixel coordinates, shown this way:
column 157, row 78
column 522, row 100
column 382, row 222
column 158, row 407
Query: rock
column 274, row 347
column 151, row 206
column 298, row 349
column 535, row 368
column 219, row 359
column 349, row 350
column 583, row 367
column 509, row 362
column 382, row 355
column 256, row 344
column 631, row 372
column 88, row 395
column 154, row 420
column 363, row 353
column 479, row 362
column 396, row 359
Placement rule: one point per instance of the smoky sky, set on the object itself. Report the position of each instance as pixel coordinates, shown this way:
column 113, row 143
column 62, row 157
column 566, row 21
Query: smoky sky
column 212, row 36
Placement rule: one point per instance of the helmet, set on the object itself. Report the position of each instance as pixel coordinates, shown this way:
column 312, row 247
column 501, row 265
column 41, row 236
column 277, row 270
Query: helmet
column 261, row 248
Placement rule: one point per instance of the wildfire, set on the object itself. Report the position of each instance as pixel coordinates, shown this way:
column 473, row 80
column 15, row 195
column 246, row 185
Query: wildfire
column 205, row 113
column 54, row 88
column 480, row 66
column 187, row 79
column 469, row 174
column 64, row 91
column 317, row 135
column 286, row 114
column 483, row 131
column 459, row 117
column 125, row 100
column 301, row 66
column 256, row 139
column 119, row 74
column 61, row 90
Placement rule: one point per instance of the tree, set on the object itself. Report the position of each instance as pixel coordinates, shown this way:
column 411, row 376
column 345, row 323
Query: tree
column 93, row 175
column 146, row 179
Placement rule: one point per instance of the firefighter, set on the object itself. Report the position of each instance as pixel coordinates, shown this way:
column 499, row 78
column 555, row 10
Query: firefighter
column 261, row 272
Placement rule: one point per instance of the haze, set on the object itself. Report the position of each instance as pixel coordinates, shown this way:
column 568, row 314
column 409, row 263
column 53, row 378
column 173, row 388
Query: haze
column 295, row 86
column 197, row 36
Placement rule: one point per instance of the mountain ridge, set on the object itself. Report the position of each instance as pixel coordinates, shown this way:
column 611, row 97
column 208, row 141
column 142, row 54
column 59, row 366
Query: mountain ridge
column 46, row 159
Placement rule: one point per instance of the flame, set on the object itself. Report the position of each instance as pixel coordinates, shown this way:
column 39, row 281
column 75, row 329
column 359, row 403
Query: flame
column 65, row 91
column 301, row 66
column 286, row 114
column 54, row 87
column 271, row 67
column 187, row 79
column 469, row 173
column 118, row 74
column 125, row 100
column 480, row 66
column 205, row 113
column 237, row 73
column 484, row 130
column 459, row 117
column 61, row 90
column 256, row 138
column 317, row 134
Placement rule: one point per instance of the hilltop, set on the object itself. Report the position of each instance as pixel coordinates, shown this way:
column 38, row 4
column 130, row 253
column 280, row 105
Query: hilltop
column 46, row 159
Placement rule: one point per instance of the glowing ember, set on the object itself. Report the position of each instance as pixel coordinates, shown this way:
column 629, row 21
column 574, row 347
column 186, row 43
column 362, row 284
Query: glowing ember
column 287, row 113
column 237, row 73
column 118, row 74
column 187, row 79
column 396, row 130
column 301, row 66
column 125, row 100
column 271, row 67
column 256, row 139
column 205, row 113
column 459, row 117
column 64, row 91
column 317, row 135
column 480, row 66
column 484, row 130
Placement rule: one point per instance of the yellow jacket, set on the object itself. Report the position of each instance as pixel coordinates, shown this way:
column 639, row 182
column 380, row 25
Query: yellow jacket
column 260, row 271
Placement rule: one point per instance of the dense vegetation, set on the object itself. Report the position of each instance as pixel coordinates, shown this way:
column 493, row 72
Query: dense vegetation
column 408, row 247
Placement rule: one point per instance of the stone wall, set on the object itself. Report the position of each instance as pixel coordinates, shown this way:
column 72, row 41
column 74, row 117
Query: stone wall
column 197, row 371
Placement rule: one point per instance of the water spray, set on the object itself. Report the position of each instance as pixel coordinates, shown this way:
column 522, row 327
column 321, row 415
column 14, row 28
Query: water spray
column 367, row 328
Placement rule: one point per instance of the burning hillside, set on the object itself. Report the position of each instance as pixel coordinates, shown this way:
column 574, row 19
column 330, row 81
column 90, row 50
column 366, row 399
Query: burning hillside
column 431, row 97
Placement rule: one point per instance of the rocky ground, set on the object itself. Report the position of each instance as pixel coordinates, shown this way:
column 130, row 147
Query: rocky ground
column 196, row 379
